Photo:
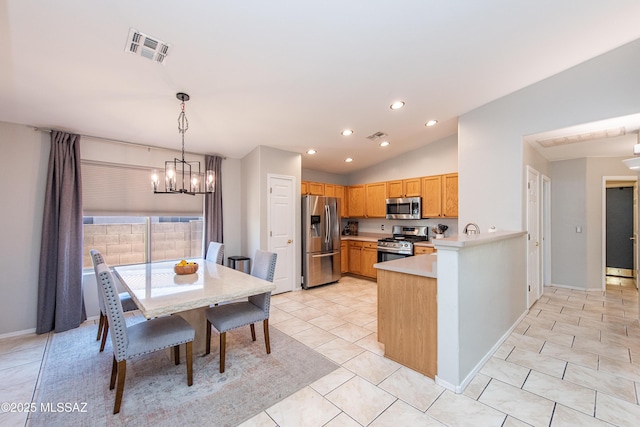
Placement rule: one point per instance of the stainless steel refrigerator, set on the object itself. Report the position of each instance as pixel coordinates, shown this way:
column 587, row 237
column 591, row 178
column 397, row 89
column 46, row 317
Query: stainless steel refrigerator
column 320, row 240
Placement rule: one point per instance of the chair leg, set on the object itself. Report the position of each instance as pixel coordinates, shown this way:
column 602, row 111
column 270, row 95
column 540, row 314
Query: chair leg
column 208, row 339
column 253, row 332
column 176, row 354
column 223, row 345
column 114, row 373
column 105, row 332
column 190, row 363
column 122, row 371
column 100, row 325
column 265, row 325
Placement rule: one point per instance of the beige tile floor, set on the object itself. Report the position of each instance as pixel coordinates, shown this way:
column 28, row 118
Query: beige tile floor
column 573, row 360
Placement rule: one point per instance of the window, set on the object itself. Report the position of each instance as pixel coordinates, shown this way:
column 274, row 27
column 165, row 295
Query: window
column 138, row 239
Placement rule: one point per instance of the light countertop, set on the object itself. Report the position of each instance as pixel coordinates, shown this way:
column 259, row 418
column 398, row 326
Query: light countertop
column 419, row 265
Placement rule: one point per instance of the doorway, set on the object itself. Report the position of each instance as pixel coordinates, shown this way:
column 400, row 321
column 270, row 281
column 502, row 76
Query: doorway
column 620, row 232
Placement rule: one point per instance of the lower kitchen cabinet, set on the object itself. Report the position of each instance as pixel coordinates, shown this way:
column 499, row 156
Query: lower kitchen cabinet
column 419, row 250
column 362, row 257
column 344, row 257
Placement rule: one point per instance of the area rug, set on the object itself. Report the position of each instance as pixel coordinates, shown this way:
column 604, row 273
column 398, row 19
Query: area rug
column 74, row 385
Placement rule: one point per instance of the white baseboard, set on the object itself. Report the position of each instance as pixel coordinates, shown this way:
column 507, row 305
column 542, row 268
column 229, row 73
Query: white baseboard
column 573, row 288
column 460, row 388
column 18, row 333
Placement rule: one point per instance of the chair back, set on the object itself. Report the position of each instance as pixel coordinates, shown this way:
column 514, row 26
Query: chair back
column 215, row 252
column 115, row 314
column 264, row 267
column 97, row 259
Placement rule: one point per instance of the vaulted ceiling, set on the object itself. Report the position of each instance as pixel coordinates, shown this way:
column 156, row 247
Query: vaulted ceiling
column 289, row 74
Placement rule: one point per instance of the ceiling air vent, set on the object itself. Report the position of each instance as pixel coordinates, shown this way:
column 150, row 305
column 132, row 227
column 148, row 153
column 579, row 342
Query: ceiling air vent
column 148, row 47
column 376, row 136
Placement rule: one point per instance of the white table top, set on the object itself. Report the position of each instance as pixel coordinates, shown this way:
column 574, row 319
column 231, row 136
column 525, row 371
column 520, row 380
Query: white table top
column 158, row 291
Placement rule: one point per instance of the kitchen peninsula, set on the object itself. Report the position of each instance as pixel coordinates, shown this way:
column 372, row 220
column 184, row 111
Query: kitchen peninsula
column 444, row 315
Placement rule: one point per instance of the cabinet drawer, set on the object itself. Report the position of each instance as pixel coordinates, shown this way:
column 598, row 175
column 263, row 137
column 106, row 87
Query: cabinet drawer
column 373, row 245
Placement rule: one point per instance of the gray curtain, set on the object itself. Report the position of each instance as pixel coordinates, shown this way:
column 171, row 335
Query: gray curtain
column 60, row 300
column 213, row 205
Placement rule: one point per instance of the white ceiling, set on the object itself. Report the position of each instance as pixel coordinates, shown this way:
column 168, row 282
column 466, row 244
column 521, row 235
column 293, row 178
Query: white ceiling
column 289, row 74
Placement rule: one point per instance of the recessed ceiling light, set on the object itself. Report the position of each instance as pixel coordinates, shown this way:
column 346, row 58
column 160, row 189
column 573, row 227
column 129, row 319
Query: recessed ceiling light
column 348, row 160
column 384, row 143
column 346, row 132
column 311, row 151
column 431, row 123
column 397, row 105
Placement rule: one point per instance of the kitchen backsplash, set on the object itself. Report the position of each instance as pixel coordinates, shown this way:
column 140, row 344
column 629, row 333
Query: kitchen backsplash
column 374, row 225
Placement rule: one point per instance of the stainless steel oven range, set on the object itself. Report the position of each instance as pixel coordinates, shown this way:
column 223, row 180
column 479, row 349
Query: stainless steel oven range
column 401, row 244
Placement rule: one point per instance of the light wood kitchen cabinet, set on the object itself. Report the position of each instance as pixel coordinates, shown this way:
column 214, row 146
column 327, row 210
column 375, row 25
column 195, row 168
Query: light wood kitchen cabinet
column 304, row 188
column 316, row 188
column 355, row 250
column 362, row 257
column 420, row 250
column 355, row 197
column 341, row 193
column 369, row 258
column 344, row 256
column 330, row 190
column 432, row 196
column 450, row 195
column 404, row 188
column 440, row 196
column 376, row 194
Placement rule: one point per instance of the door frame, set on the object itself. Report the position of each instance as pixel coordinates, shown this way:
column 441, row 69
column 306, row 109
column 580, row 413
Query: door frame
column 605, row 180
column 546, row 232
column 292, row 225
column 536, row 291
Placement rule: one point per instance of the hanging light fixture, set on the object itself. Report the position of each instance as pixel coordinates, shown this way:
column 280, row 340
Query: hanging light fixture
column 181, row 172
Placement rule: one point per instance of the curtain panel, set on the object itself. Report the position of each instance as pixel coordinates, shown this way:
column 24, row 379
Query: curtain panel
column 213, row 205
column 60, row 299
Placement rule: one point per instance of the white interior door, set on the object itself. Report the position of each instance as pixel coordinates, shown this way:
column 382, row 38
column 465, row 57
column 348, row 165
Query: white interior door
column 533, row 235
column 281, row 217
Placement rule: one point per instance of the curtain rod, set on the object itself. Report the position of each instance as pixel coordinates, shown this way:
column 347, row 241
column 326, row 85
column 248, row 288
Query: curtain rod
column 118, row 141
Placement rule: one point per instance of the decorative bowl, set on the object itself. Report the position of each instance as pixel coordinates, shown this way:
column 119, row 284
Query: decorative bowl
column 185, row 269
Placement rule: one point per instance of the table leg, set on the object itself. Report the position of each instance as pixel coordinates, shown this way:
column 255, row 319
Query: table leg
column 198, row 321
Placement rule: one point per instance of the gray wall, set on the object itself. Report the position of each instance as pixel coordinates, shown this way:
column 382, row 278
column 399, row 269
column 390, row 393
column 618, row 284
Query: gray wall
column 23, row 177
column 490, row 148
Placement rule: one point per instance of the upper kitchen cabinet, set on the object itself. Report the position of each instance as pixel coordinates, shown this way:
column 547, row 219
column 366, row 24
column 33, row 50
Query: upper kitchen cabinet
column 304, row 188
column 376, row 195
column 404, row 188
column 355, row 200
column 341, row 193
column 330, row 190
column 450, row 195
column 313, row 188
column 440, row 196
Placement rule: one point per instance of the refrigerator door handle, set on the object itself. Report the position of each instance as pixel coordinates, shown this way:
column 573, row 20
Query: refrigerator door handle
column 325, row 255
column 327, row 224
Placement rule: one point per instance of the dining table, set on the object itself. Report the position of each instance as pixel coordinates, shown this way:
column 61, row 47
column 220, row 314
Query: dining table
column 158, row 291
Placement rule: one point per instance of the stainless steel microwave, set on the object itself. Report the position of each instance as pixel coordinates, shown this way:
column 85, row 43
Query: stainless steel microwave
column 404, row 208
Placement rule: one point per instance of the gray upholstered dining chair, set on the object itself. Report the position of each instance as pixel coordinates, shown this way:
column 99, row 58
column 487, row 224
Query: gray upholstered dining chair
column 141, row 338
column 127, row 303
column 215, row 252
column 237, row 314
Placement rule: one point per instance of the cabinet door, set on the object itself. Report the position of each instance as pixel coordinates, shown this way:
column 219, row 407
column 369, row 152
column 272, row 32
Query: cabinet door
column 369, row 257
column 330, row 190
column 412, row 187
column 395, row 189
column 375, row 203
column 316, row 188
column 344, row 257
column 431, row 196
column 450, row 195
column 355, row 265
column 356, row 200
column 419, row 250
column 304, row 188
column 341, row 194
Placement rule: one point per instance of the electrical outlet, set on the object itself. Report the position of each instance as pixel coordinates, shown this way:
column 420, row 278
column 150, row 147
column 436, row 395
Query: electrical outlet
column 382, row 227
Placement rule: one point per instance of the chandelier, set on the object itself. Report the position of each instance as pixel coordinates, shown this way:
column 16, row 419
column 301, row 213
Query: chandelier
column 180, row 176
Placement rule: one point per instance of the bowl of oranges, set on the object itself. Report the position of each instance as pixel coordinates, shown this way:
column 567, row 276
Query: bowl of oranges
column 185, row 267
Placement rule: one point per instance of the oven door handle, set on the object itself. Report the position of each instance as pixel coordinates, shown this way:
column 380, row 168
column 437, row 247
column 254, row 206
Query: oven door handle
column 325, row 255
